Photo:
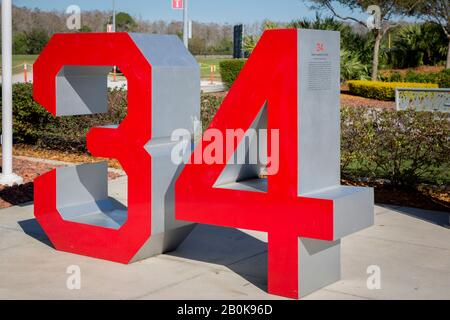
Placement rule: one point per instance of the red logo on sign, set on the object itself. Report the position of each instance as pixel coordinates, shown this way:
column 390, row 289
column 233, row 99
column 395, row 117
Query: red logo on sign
column 320, row 47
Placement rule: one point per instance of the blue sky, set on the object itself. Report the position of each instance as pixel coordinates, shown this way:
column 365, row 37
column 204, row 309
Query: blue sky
column 221, row 11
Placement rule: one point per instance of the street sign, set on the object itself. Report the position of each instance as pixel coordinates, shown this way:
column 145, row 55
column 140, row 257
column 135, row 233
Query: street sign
column 177, row 4
column 109, row 28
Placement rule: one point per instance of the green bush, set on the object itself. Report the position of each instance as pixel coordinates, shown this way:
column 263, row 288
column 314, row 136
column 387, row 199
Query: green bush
column 352, row 68
column 209, row 106
column 382, row 90
column 440, row 78
column 230, row 69
column 417, row 44
column 404, row 147
column 396, row 77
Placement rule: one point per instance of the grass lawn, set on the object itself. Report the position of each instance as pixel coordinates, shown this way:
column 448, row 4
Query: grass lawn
column 19, row 60
column 205, row 64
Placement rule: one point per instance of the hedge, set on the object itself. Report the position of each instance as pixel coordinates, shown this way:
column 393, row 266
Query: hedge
column 441, row 78
column 382, row 90
column 406, row 148
column 230, row 69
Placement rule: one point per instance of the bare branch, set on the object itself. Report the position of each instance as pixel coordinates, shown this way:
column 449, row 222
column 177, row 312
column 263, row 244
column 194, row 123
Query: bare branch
column 333, row 11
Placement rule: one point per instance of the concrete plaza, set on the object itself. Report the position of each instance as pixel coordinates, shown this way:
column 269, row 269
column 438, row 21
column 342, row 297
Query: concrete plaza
column 412, row 248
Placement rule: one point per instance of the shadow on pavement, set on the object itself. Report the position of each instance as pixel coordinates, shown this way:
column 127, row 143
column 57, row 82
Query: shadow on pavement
column 441, row 219
column 234, row 249
column 32, row 228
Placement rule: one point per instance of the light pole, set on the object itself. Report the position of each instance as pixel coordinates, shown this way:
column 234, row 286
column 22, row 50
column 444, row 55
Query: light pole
column 114, row 16
column 186, row 24
column 7, row 177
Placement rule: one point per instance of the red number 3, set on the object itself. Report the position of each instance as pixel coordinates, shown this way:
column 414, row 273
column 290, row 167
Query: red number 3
column 72, row 204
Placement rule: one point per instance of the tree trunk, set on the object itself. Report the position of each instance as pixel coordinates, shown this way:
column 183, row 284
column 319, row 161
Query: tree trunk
column 376, row 54
column 448, row 55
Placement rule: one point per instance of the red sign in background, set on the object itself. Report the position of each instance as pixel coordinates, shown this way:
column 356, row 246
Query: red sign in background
column 177, row 4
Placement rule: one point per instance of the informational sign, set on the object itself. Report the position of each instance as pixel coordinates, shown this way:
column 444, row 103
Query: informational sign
column 320, row 69
column 423, row 99
column 177, row 4
column 292, row 193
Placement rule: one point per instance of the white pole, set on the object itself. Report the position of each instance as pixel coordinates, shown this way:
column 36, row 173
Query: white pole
column 114, row 16
column 7, row 177
column 186, row 24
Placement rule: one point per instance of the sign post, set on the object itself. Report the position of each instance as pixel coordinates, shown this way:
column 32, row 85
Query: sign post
column 187, row 27
column 7, row 177
column 186, row 24
column 114, row 17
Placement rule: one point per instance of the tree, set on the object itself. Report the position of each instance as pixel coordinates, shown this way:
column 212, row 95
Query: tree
column 438, row 12
column 419, row 44
column 250, row 41
column 36, row 41
column 85, row 29
column 20, row 43
column 125, row 22
column 197, row 46
column 385, row 11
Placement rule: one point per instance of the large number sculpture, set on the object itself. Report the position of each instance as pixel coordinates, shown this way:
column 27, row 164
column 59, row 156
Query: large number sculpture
column 289, row 86
column 72, row 204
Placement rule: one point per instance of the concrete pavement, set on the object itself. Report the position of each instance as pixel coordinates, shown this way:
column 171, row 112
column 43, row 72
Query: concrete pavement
column 411, row 247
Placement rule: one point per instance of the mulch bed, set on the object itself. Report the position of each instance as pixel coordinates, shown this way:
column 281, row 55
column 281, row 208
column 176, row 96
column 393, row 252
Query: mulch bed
column 423, row 197
column 348, row 100
column 16, row 195
column 64, row 156
column 28, row 170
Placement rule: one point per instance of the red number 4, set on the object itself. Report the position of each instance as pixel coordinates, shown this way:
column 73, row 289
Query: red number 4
column 270, row 79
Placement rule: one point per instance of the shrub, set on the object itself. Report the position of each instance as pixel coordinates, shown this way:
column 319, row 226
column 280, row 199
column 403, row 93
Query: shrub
column 209, row 106
column 352, row 68
column 405, row 147
column 382, row 90
column 230, row 69
column 418, row 44
column 440, row 78
column 396, row 77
